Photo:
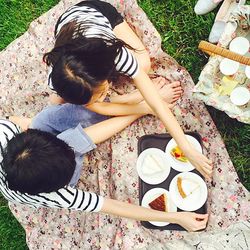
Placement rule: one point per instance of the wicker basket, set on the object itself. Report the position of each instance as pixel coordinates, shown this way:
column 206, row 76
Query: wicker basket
column 212, row 49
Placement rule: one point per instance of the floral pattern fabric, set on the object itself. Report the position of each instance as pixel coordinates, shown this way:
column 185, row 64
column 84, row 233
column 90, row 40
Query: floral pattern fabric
column 110, row 169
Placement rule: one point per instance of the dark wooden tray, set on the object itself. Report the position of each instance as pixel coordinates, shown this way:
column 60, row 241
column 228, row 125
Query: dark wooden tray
column 160, row 141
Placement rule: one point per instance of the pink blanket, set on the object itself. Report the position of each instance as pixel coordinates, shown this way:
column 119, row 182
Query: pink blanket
column 110, row 169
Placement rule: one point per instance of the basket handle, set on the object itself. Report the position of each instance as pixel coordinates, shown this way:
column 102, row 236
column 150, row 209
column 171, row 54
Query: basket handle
column 212, row 49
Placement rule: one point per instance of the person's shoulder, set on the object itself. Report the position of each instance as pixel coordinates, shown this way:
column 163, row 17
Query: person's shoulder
column 7, row 131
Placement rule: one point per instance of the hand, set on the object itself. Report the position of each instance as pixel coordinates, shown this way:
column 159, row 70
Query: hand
column 192, row 221
column 22, row 122
column 55, row 99
column 200, row 162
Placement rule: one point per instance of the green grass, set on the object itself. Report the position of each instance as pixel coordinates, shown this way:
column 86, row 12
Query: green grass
column 181, row 31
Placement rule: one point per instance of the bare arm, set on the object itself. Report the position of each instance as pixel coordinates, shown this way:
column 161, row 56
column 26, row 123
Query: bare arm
column 125, row 33
column 152, row 97
column 117, row 109
column 185, row 219
column 133, row 97
column 102, row 131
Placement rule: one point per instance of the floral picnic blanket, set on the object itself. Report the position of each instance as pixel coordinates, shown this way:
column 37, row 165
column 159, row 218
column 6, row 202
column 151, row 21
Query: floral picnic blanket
column 110, row 169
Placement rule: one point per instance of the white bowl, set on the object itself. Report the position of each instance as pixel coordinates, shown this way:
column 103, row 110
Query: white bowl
column 247, row 72
column 229, row 67
column 239, row 45
column 240, row 96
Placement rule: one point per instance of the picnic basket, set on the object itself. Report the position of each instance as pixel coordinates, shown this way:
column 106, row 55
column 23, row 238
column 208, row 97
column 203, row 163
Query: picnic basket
column 212, row 49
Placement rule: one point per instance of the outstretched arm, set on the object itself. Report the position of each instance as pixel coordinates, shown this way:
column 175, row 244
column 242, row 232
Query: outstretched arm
column 102, row 131
column 152, row 97
column 190, row 221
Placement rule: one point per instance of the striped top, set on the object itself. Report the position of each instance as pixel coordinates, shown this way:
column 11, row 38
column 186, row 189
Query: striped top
column 67, row 197
column 94, row 24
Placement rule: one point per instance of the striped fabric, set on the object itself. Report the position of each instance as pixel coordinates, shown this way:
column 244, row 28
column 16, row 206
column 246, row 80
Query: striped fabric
column 94, row 24
column 67, row 197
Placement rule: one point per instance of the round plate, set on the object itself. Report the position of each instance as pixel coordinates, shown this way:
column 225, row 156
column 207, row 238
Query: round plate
column 158, row 177
column 178, row 165
column 239, row 45
column 240, row 96
column 151, row 195
column 193, row 201
column 229, row 67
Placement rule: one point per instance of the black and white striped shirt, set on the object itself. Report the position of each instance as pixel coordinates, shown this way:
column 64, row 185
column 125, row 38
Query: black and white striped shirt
column 95, row 24
column 66, row 197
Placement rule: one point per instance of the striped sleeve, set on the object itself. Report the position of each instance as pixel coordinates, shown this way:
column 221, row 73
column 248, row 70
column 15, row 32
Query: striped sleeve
column 7, row 131
column 67, row 198
column 73, row 199
column 126, row 63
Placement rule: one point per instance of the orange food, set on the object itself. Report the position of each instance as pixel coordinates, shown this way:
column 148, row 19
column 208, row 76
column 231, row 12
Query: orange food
column 179, row 186
column 159, row 203
column 178, row 154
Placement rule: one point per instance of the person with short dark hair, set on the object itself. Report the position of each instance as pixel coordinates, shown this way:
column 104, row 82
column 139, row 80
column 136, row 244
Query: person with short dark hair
column 40, row 169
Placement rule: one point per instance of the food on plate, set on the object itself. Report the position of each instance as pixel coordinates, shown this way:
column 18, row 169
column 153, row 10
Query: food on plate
column 179, row 186
column 178, row 154
column 152, row 165
column 190, row 185
column 159, row 203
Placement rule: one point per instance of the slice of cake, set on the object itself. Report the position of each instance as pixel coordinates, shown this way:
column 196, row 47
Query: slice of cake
column 159, row 203
column 180, row 189
column 186, row 186
column 152, row 165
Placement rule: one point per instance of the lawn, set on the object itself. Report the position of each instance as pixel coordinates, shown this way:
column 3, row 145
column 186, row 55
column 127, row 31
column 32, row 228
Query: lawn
column 181, row 31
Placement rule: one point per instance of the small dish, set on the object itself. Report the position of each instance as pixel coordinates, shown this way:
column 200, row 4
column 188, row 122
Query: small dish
column 152, row 166
column 176, row 164
column 247, row 72
column 240, row 96
column 193, row 187
column 239, row 45
column 229, row 67
column 151, row 195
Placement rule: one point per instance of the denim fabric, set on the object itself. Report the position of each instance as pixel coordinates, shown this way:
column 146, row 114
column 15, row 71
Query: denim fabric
column 58, row 118
column 67, row 121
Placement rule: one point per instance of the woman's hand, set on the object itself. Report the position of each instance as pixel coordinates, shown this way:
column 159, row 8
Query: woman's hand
column 192, row 221
column 55, row 99
column 200, row 162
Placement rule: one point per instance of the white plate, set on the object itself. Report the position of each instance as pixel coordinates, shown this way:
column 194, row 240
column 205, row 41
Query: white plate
column 239, row 45
column 155, row 178
column 229, row 67
column 178, row 165
column 193, row 201
column 240, row 96
column 151, row 195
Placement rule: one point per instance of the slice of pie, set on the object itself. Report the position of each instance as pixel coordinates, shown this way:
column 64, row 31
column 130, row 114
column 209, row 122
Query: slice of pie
column 178, row 154
column 180, row 189
column 190, row 186
column 159, row 203
column 152, row 165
